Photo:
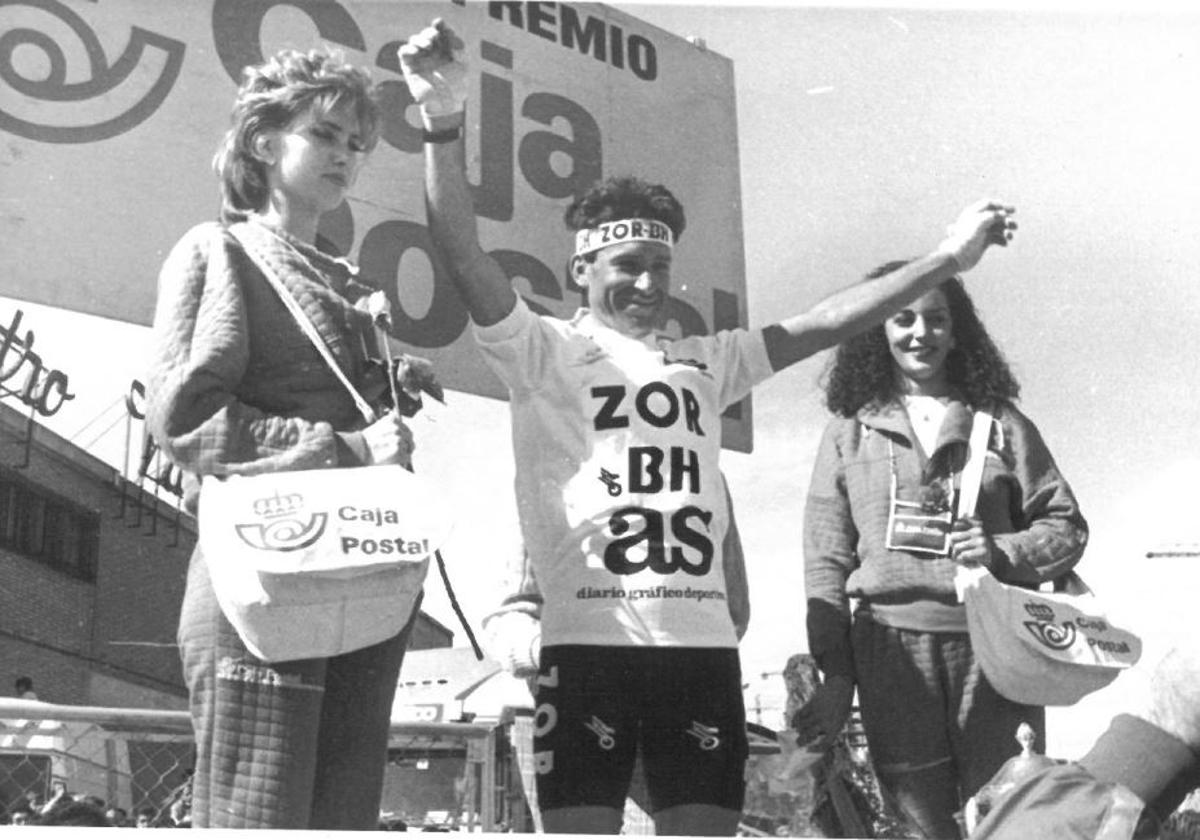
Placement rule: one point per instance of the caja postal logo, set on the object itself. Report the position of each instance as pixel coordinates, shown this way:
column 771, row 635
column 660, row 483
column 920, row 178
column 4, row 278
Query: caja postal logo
column 307, row 513
column 1043, row 628
column 1060, row 636
column 283, row 524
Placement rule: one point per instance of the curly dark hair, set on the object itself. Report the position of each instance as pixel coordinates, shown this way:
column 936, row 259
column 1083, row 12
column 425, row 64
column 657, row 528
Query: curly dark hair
column 626, row 197
column 862, row 370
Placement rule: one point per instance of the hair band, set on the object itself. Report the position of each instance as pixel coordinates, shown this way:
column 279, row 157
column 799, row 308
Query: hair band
column 622, row 230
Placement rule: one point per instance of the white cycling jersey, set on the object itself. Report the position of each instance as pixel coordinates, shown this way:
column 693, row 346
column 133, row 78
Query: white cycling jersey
column 618, row 487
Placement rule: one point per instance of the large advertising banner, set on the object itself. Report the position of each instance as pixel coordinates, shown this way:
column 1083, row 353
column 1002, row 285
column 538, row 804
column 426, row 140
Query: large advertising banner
column 111, row 111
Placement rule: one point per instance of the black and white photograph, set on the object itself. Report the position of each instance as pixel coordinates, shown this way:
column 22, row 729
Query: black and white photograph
column 684, row 418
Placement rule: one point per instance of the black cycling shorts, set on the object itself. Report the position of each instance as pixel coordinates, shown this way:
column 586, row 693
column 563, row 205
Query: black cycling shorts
column 682, row 706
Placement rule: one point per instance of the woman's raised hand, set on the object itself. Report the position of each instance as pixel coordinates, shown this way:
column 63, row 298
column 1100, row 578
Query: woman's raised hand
column 435, row 70
column 980, row 225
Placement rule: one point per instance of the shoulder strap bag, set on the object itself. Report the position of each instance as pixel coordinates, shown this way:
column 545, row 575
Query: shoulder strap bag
column 316, row 563
column 1044, row 648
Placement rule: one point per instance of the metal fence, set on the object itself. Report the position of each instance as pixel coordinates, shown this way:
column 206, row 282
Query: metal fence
column 133, row 759
column 459, row 776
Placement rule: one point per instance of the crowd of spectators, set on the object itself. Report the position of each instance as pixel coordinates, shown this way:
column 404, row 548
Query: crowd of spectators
column 79, row 809
column 67, row 809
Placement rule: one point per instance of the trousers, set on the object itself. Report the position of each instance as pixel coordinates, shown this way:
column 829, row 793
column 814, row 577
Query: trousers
column 290, row 745
column 936, row 729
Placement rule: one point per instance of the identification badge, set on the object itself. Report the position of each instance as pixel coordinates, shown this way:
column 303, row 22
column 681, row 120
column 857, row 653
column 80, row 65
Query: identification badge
column 921, row 525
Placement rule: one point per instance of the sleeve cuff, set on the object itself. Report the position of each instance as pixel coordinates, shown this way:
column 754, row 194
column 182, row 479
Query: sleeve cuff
column 1138, row 755
column 506, row 327
column 351, row 450
column 999, row 564
column 836, row 664
column 760, row 360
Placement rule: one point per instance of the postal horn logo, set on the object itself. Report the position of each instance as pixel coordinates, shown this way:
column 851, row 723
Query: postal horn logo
column 284, row 524
column 60, row 83
column 1053, row 636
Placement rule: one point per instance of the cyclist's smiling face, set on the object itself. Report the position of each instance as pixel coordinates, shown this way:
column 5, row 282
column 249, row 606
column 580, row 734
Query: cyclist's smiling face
column 627, row 285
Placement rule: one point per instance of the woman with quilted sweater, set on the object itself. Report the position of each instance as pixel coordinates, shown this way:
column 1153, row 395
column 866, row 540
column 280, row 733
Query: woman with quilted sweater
column 236, row 387
column 881, row 547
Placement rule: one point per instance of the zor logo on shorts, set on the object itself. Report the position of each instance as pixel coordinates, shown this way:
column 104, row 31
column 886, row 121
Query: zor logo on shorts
column 603, row 732
column 708, row 736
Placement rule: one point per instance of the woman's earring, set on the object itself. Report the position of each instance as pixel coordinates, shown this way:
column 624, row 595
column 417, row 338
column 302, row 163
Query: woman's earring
column 262, row 149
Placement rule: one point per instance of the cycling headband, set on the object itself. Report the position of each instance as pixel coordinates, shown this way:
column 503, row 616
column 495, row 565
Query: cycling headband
column 622, row 230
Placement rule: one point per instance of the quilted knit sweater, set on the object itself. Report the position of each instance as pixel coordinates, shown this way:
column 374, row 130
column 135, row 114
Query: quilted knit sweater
column 1025, row 505
column 234, row 385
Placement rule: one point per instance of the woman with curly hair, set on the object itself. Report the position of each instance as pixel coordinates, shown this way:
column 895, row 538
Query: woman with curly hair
column 236, row 387
column 881, row 547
